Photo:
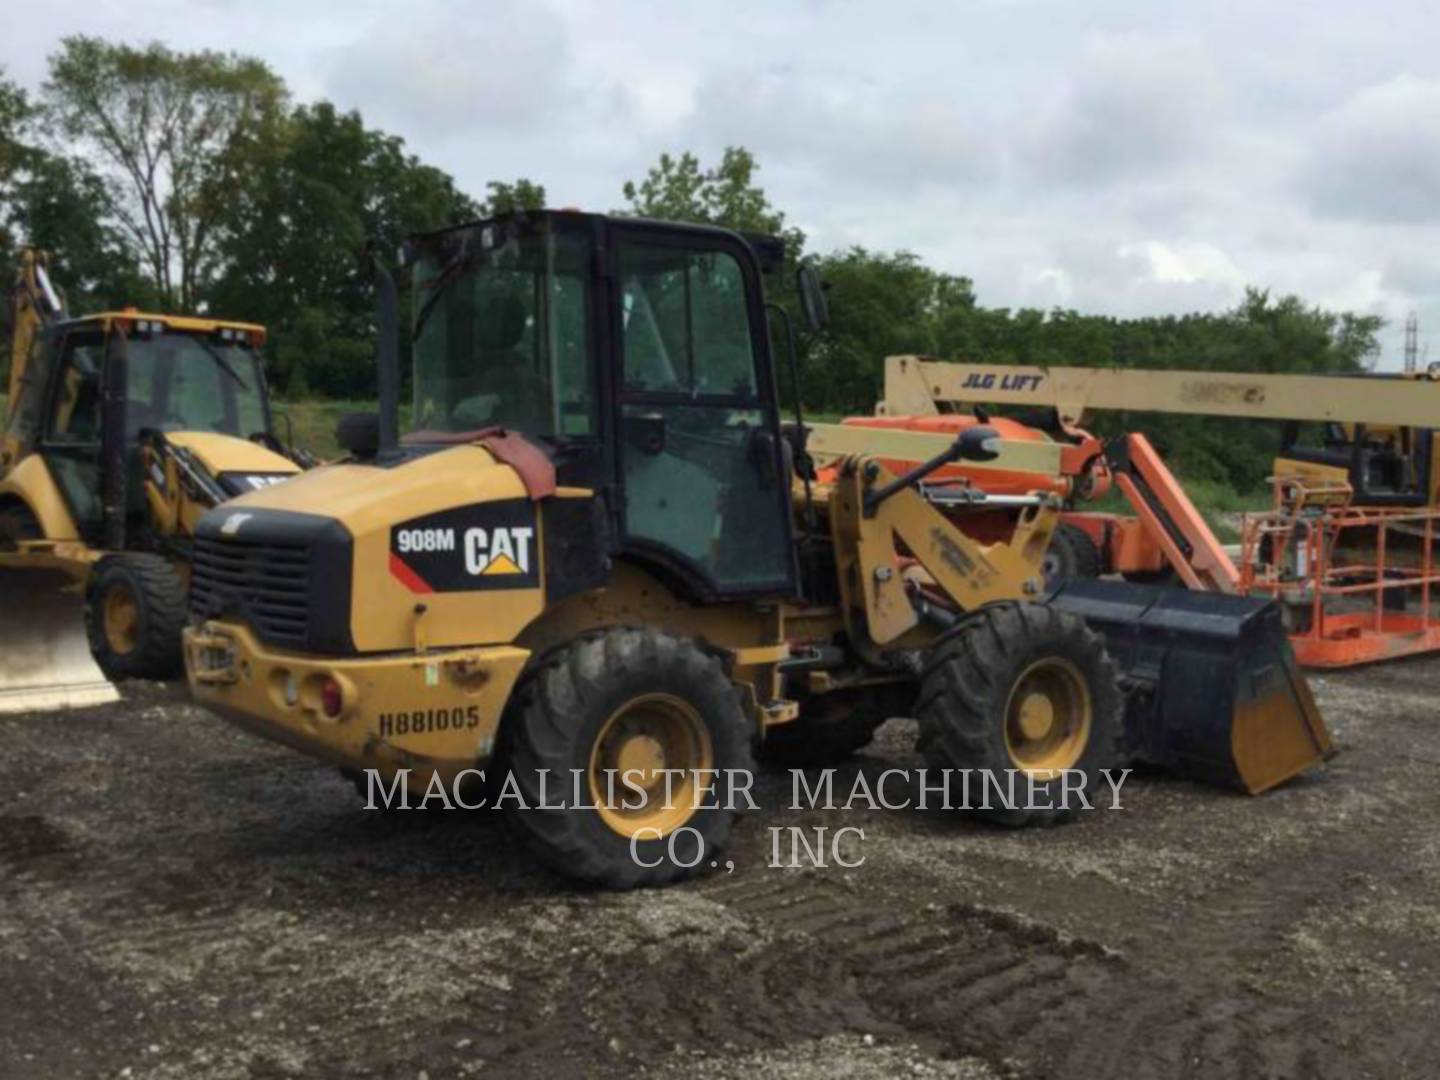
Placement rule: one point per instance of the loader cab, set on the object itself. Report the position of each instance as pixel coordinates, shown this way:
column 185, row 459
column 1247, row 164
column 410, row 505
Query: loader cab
column 637, row 354
column 94, row 384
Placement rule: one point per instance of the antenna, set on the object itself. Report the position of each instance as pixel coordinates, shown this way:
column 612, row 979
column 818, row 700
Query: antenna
column 1412, row 344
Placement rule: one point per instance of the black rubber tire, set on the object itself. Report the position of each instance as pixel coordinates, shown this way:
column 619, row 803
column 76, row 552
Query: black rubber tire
column 1165, row 576
column 833, row 727
column 18, row 523
column 560, row 711
column 1072, row 554
column 966, row 688
column 159, row 595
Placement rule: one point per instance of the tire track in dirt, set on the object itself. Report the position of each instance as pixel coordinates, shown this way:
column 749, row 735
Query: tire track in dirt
column 978, row 982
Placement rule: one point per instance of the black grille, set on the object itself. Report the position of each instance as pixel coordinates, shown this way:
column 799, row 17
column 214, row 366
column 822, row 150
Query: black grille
column 266, row 584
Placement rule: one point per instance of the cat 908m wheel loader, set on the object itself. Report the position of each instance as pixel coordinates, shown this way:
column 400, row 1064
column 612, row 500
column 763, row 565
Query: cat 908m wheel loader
column 121, row 430
column 599, row 566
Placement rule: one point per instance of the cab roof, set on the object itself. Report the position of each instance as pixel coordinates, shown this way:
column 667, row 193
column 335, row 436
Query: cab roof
column 186, row 324
column 769, row 249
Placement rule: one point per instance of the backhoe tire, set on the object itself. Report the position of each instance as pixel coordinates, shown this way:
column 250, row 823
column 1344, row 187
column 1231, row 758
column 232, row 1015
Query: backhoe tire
column 1022, row 691
column 1072, row 554
column 833, row 727
column 18, row 523
column 134, row 612
column 625, row 703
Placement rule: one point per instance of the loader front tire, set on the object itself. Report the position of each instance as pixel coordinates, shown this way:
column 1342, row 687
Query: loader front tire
column 602, row 718
column 1022, row 691
column 134, row 612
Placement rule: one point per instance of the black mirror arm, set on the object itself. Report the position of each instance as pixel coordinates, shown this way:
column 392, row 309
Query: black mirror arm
column 973, row 444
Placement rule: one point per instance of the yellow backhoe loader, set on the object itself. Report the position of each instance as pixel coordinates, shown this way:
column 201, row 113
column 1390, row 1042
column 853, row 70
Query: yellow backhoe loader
column 599, row 566
column 121, row 430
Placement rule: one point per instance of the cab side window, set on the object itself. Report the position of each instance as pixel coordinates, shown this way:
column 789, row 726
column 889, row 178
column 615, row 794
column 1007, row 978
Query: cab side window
column 686, row 326
column 75, row 415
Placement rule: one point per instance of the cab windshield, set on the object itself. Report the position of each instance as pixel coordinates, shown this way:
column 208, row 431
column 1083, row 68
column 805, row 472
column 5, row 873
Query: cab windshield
column 173, row 382
column 501, row 333
column 184, row 382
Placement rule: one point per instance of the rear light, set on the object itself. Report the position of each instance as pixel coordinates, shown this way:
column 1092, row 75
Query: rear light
column 332, row 698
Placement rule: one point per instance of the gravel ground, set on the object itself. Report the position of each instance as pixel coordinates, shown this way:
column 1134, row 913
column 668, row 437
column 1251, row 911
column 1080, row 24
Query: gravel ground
column 180, row 900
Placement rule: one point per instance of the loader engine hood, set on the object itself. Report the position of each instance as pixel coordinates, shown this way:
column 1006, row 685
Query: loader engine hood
column 356, row 558
column 240, row 465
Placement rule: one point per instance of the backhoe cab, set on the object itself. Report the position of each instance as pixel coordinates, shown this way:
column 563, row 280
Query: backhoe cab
column 598, row 567
column 121, row 429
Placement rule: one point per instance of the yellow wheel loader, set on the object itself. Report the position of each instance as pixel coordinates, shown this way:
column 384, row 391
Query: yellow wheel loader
column 601, row 570
column 122, row 429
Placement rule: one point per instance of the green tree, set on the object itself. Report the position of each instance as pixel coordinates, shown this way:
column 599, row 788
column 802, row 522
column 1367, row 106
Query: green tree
column 317, row 191
column 503, row 197
column 53, row 201
column 165, row 130
column 15, row 112
column 677, row 189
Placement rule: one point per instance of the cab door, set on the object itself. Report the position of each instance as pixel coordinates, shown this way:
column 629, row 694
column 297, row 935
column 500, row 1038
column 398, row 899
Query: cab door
column 705, row 491
column 72, row 429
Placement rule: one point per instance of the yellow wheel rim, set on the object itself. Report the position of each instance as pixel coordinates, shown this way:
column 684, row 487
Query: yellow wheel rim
column 122, row 620
column 646, row 735
column 1047, row 718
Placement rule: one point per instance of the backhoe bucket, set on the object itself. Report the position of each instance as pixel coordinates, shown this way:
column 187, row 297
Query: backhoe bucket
column 45, row 660
column 1218, row 696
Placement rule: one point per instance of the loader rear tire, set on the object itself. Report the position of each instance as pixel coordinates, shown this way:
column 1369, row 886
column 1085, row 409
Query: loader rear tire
column 626, row 701
column 1072, row 554
column 134, row 612
column 1025, row 691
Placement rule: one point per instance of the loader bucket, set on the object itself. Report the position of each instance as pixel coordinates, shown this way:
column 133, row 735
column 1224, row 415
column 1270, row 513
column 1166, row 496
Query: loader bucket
column 45, row 661
column 1218, row 696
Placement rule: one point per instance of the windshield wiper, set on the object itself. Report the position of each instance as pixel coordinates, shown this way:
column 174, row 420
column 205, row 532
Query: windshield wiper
column 448, row 273
column 225, row 365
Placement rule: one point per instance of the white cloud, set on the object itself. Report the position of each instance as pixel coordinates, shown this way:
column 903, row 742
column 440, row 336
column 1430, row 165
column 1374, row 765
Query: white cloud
column 1377, row 157
column 429, row 74
column 1116, row 156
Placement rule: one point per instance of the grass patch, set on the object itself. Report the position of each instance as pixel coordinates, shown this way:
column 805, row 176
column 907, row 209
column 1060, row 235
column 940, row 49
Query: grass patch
column 313, row 422
column 1219, row 504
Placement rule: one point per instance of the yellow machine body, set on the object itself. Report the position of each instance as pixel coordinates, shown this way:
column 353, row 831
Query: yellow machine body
column 631, row 573
column 77, row 485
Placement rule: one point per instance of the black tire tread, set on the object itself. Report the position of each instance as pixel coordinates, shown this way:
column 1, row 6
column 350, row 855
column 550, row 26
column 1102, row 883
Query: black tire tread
column 559, row 697
column 966, row 685
column 1078, row 555
column 163, row 603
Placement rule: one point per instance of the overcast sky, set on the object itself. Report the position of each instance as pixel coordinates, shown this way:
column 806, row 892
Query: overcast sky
column 1122, row 157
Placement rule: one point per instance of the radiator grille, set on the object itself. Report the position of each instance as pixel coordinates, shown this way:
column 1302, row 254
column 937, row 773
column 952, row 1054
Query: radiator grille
column 267, row 584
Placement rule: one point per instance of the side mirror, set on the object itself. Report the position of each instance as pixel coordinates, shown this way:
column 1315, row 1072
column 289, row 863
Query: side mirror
column 979, row 444
column 812, row 298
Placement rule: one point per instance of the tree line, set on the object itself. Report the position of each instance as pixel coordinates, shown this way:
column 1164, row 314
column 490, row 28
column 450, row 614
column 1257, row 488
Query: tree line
column 192, row 181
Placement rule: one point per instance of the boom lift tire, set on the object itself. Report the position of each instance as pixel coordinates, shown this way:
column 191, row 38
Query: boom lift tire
column 1021, row 686
column 134, row 612
column 1072, row 554
column 626, row 702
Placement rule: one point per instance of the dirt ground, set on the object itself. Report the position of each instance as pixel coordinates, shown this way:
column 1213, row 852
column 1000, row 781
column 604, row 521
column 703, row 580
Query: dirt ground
column 180, row 900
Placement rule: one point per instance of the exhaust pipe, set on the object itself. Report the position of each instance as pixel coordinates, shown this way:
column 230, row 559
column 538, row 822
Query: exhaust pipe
column 387, row 354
